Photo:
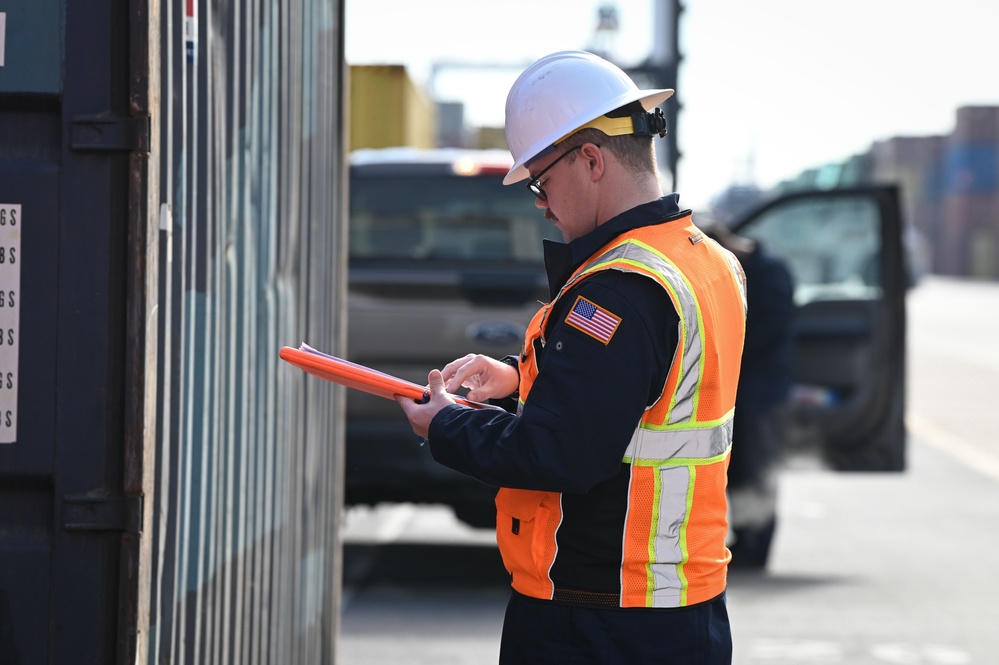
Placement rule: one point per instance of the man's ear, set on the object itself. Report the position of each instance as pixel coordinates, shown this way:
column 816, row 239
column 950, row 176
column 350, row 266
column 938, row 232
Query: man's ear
column 594, row 157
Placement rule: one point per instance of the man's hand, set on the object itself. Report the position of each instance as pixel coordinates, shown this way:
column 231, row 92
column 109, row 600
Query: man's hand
column 420, row 414
column 485, row 377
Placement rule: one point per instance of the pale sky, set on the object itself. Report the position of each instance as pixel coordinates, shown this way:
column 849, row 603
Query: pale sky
column 768, row 87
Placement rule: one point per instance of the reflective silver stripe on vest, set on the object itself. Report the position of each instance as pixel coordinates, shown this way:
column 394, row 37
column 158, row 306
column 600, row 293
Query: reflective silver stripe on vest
column 636, row 252
column 668, row 553
column 649, row 446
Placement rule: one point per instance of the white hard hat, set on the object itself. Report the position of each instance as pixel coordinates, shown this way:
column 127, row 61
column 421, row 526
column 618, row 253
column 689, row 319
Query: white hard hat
column 560, row 94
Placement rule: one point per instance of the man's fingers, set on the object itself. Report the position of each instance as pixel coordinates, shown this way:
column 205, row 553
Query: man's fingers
column 452, row 367
column 461, row 370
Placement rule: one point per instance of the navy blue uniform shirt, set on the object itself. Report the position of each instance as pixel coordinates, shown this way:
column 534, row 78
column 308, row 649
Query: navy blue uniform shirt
column 588, row 397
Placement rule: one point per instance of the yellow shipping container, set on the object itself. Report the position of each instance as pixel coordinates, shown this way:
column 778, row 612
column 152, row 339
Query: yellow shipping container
column 388, row 109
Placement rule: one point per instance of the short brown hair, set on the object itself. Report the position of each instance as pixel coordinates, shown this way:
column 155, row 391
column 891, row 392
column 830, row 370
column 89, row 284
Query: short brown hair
column 635, row 152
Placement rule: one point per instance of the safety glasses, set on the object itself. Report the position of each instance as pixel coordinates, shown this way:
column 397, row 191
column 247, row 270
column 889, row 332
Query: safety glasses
column 535, row 185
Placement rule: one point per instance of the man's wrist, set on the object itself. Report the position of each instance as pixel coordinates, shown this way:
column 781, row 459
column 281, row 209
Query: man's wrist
column 514, row 362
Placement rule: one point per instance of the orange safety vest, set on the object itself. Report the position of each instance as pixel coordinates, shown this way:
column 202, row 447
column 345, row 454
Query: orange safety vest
column 673, row 537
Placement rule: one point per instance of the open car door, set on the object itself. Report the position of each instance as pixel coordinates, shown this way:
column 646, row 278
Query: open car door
column 844, row 250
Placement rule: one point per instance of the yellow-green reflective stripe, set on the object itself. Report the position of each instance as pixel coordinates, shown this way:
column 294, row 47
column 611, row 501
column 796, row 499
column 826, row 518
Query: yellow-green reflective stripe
column 650, row 579
column 697, row 424
column 683, row 537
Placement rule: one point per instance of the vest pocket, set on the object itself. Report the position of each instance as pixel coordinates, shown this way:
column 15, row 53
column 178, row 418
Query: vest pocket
column 516, row 532
column 517, row 506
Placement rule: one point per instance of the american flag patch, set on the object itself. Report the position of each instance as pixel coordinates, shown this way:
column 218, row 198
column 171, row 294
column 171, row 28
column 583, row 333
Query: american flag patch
column 593, row 320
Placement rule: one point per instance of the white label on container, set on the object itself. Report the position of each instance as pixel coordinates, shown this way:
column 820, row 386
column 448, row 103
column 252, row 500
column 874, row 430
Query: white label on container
column 3, row 35
column 10, row 317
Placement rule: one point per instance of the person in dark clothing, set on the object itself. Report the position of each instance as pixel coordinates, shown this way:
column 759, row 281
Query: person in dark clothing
column 610, row 463
column 761, row 400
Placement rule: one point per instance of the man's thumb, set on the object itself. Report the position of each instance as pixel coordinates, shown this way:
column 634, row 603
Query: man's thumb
column 436, row 381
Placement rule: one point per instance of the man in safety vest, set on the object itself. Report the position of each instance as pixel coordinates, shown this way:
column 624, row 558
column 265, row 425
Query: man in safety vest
column 611, row 513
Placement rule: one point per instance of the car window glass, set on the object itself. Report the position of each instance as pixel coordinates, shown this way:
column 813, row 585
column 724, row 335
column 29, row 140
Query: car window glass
column 444, row 218
column 831, row 245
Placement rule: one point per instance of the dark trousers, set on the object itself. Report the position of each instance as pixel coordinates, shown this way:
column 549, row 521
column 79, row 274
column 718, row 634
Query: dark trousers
column 546, row 633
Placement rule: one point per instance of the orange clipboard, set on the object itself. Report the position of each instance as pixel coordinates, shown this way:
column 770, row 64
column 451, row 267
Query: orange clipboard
column 358, row 377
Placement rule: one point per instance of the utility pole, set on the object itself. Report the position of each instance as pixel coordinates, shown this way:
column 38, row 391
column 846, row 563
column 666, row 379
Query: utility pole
column 660, row 70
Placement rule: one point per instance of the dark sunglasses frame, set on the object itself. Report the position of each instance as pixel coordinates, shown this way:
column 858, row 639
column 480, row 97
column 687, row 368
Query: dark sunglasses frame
column 535, row 184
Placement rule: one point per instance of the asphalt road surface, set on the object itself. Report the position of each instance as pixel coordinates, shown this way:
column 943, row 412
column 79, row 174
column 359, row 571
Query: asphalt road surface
column 867, row 569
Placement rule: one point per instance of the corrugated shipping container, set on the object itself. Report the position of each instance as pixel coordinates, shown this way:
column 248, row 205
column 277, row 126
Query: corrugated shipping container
column 171, row 214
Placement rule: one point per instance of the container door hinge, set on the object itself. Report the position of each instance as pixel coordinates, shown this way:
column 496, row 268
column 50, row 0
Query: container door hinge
column 110, row 133
column 85, row 512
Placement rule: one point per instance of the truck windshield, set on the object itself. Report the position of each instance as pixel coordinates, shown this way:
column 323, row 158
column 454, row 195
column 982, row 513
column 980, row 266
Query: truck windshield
column 412, row 218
